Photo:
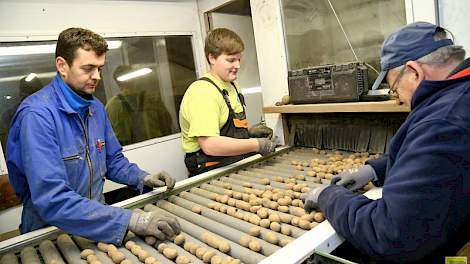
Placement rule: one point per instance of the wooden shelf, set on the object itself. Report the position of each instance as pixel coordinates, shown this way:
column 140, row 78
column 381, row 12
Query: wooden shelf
column 383, row 106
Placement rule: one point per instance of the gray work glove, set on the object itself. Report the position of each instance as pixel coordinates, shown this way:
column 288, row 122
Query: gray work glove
column 160, row 179
column 356, row 178
column 266, row 146
column 260, row 131
column 153, row 224
column 310, row 199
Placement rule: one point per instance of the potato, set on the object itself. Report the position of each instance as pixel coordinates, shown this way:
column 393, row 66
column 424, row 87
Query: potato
column 274, row 217
column 283, row 209
column 128, row 261
column 237, row 195
column 129, row 244
column 264, row 181
column 286, row 218
column 254, row 219
column 186, row 246
column 224, row 199
column 305, row 190
column 265, row 223
column 194, row 247
column 255, row 208
column 254, row 245
column 162, row 246
column 142, row 255
column 311, row 173
column 91, row 258
column 216, row 260
column 273, row 205
column 223, row 209
column 304, row 224
column 285, row 229
column 278, row 179
column 284, row 242
column 150, row 240
column 243, row 205
column 275, row 226
column 170, row 253
column 95, row 262
column 235, row 261
column 135, row 249
column 245, row 240
column 224, row 246
column 200, row 252
column 247, row 184
column 271, row 237
column 196, row 209
column 262, row 213
column 295, row 221
column 297, row 211
column 182, row 260
column 208, row 256
column 254, row 231
column 255, row 201
column 299, row 168
column 308, row 217
column 319, row 217
column 179, row 239
column 102, row 246
column 85, row 253
column 111, row 248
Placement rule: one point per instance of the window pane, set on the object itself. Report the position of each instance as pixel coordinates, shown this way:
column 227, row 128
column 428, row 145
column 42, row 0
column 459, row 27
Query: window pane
column 314, row 36
column 143, row 106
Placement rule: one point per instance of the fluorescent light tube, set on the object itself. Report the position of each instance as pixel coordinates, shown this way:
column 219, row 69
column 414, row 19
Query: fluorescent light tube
column 134, row 74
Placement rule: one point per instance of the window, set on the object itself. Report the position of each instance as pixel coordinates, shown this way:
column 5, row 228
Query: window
column 155, row 72
column 314, row 35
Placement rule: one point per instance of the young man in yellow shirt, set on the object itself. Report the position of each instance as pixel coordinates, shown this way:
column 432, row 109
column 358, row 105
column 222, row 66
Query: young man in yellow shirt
column 212, row 115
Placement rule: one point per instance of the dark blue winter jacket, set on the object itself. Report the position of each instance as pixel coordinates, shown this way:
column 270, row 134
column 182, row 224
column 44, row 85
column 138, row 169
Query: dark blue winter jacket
column 57, row 163
column 424, row 211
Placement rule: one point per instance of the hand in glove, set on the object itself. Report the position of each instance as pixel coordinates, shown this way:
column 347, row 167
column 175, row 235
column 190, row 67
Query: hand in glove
column 356, row 178
column 160, row 179
column 153, row 224
column 260, row 131
column 266, row 146
column 310, row 199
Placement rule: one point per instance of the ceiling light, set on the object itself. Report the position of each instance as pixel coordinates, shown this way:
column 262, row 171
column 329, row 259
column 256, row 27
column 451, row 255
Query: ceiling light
column 43, row 49
column 30, row 77
column 134, row 74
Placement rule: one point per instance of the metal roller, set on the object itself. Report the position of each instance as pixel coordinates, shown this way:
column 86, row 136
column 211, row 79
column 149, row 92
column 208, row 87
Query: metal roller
column 211, row 225
column 49, row 253
column 69, row 250
column 236, row 251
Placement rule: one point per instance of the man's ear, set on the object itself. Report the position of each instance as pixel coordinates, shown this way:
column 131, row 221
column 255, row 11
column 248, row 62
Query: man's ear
column 62, row 66
column 418, row 72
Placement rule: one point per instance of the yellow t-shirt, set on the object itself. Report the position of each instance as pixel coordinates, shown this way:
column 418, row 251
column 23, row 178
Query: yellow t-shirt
column 203, row 110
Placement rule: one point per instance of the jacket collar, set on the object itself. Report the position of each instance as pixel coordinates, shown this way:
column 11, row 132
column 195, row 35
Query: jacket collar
column 64, row 105
column 427, row 89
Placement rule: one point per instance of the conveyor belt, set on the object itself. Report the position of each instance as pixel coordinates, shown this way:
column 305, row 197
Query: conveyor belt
column 243, row 216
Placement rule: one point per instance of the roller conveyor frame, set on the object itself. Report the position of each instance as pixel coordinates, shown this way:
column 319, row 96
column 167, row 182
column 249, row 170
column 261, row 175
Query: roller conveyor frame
column 321, row 238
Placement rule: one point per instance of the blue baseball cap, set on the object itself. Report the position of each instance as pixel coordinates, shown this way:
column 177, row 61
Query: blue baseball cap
column 410, row 42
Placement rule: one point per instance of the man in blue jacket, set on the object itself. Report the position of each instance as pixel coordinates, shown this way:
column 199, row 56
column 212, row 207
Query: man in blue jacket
column 61, row 148
column 424, row 212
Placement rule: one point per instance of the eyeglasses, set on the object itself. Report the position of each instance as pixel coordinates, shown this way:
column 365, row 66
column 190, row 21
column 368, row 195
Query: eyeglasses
column 393, row 88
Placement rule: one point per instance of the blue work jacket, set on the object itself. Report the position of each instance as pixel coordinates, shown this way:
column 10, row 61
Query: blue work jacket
column 58, row 162
column 424, row 212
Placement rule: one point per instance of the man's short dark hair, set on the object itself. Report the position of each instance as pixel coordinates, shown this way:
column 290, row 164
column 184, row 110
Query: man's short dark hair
column 71, row 39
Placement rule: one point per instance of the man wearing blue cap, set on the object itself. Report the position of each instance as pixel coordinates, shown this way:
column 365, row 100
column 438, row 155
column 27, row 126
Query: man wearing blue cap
column 424, row 212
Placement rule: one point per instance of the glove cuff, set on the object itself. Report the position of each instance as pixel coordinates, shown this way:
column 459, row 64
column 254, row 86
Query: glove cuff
column 371, row 172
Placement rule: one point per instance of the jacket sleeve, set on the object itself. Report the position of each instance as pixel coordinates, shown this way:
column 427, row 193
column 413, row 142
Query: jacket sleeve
column 119, row 169
column 51, row 193
column 380, row 166
column 424, row 201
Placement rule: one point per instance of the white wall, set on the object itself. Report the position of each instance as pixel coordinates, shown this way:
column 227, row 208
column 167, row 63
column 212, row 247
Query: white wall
column 23, row 20
column 271, row 52
column 453, row 15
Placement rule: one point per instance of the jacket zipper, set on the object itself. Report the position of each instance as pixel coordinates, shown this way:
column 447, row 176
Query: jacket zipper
column 87, row 154
column 74, row 157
